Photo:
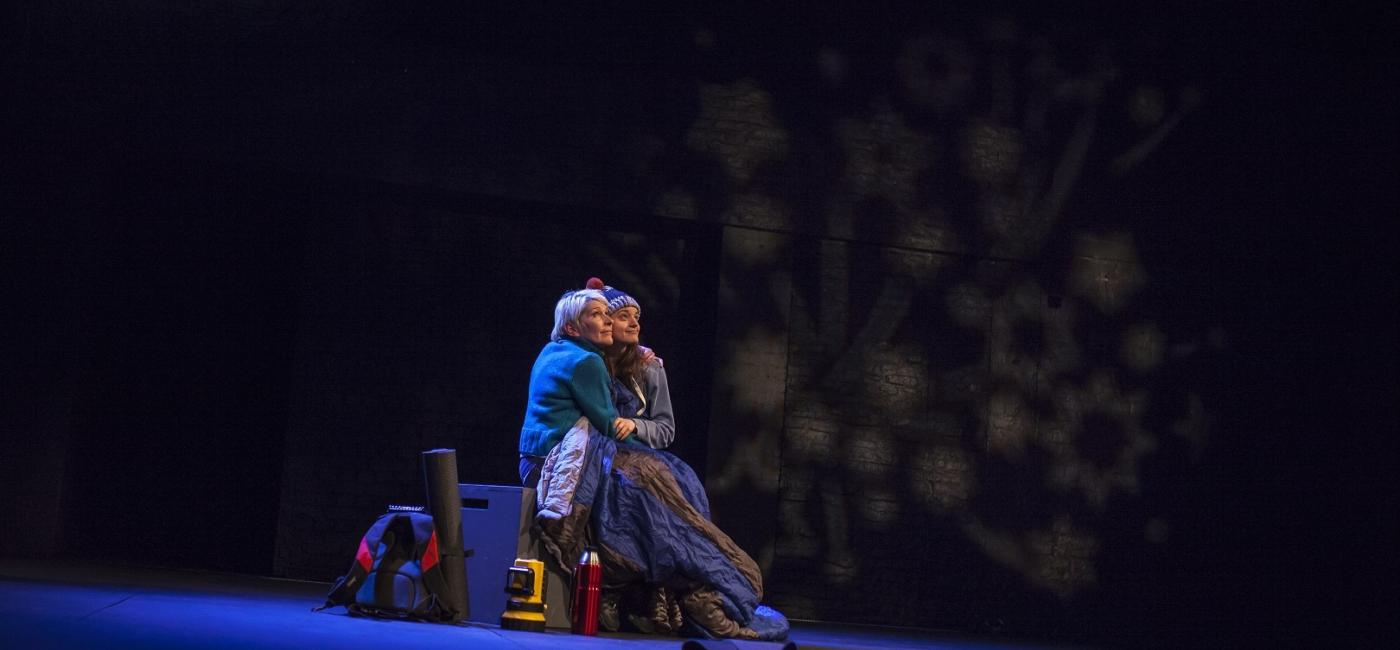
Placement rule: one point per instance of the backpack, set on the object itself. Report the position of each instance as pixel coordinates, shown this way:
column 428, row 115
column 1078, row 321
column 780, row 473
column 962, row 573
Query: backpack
column 397, row 572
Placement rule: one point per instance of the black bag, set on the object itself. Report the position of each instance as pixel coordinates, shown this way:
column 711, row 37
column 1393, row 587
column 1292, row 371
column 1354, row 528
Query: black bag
column 397, row 572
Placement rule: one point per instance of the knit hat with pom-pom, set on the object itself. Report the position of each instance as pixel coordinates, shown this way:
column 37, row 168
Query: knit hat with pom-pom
column 617, row 299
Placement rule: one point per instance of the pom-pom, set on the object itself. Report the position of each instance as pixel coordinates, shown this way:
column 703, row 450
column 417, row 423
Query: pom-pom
column 594, row 283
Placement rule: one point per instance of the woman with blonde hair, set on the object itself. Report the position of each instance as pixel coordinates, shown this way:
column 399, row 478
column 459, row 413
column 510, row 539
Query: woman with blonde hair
column 667, row 568
column 569, row 383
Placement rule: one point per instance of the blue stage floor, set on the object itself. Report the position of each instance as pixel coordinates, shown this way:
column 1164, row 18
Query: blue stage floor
column 51, row 605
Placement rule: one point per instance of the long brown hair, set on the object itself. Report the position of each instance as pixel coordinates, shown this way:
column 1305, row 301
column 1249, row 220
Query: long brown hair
column 627, row 366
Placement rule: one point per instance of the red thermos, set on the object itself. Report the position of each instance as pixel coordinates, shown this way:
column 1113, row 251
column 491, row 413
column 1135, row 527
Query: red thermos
column 588, row 577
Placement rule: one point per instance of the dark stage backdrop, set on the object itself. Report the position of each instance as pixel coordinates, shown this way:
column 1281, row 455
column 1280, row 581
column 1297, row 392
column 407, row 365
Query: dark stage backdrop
column 149, row 413
column 418, row 320
column 1076, row 325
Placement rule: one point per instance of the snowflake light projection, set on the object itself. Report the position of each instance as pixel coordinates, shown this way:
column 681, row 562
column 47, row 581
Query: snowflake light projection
column 1004, row 127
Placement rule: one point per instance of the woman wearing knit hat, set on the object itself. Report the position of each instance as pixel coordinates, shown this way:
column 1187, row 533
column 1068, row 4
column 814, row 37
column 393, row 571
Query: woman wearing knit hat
column 639, row 387
column 666, row 566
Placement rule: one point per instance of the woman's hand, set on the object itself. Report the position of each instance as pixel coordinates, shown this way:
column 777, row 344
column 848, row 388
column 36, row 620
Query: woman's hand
column 624, row 427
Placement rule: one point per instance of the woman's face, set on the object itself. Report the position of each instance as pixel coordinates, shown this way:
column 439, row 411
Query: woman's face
column 626, row 326
column 594, row 325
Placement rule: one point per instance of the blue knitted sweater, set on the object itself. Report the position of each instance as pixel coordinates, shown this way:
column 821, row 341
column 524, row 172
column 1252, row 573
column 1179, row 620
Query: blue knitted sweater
column 569, row 381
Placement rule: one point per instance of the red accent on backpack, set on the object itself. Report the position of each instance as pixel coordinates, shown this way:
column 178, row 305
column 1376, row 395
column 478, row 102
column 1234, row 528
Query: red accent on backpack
column 430, row 554
column 363, row 556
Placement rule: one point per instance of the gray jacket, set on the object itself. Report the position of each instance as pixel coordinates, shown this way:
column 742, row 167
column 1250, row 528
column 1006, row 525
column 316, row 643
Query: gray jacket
column 649, row 405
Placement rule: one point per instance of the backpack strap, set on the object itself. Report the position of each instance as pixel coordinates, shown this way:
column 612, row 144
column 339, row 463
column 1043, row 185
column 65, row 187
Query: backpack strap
column 394, row 539
column 430, row 562
column 343, row 591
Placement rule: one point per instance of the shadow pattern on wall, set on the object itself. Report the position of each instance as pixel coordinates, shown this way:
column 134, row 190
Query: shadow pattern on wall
column 992, row 407
column 968, row 357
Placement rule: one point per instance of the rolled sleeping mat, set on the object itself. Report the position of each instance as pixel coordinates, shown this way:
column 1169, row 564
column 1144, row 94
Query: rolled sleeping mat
column 445, row 505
